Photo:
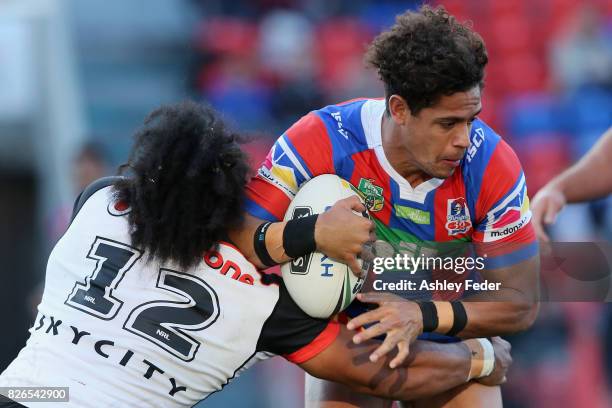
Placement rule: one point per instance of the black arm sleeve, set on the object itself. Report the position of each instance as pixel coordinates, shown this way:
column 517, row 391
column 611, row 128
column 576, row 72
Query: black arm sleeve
column 288, row 328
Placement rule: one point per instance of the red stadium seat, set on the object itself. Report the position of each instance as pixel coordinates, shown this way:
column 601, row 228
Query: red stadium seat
column 339, row 42
column 511, row 34
column 490, row 110
column 523, row 73
column 228, row 36
column 500, row 10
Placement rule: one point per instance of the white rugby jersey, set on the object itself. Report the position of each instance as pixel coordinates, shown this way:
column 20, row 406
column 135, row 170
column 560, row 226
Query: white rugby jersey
column 122, row 331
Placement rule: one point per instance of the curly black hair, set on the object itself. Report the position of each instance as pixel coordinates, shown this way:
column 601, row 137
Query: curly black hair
column 427, row 54
column 186, row 186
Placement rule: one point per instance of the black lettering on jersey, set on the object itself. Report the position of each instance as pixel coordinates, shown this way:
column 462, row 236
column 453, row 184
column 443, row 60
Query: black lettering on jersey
column 99, row 344
column 158, row 321
column 53, row 325
column 126, row 358
column 152, row 368
column 78, row 334
column 41, row 323
column 95, row 295
column 176, row 389
column 99, row 349
column 164, row 322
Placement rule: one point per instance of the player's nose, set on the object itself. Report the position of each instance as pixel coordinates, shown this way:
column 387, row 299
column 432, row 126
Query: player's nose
column 462, row 137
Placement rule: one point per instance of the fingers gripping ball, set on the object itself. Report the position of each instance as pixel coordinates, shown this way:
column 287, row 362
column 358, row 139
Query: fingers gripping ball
column 321, row 286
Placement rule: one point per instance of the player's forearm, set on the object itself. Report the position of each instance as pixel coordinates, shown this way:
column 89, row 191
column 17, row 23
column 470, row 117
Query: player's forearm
column 243, row 238
column 429, row 369
column 510, row 308
column 338, row 232
column 434, row 368
column 591, row 176
column 474, row 318
column 486, row 319
column 274, row 242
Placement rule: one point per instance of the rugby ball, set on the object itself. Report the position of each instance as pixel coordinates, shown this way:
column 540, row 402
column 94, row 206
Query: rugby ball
column 319, row 285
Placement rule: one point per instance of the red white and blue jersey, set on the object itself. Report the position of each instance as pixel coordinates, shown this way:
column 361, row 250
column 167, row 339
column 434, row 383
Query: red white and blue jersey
column 483, row 201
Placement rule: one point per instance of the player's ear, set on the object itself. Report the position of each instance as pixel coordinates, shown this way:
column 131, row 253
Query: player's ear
column 399, row 110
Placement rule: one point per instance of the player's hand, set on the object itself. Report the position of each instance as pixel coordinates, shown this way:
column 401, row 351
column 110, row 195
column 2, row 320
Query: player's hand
column 546, row 204
column 503, row 360
column 341, row 234
column 400, row 319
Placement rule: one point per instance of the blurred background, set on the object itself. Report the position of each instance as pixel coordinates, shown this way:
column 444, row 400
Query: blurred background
column 77, row 77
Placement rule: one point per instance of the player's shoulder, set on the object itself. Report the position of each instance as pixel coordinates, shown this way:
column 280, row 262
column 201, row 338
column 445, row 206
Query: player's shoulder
column 491, row 171
column 98, row 190
column 487, row 150
column 326, row 139
column 483, row 141
column 490, row 167
column 346, row 122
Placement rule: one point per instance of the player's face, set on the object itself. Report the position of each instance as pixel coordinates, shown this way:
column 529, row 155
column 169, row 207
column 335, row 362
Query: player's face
column 437, row 138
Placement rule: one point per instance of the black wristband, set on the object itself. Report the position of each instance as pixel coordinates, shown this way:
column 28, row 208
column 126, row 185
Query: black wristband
column 460, row 318
column 298, row 236
column 259, row 242
column 430, row 316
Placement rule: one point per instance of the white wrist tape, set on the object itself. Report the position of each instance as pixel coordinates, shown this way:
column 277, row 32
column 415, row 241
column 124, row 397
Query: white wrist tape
column 483, row 358
column 489, row 358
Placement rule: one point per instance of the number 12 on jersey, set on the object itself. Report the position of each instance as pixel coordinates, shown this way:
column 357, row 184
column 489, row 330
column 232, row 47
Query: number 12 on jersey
column 161, row 322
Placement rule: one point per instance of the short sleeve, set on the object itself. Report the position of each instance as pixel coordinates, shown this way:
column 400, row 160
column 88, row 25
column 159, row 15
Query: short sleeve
column 302, row 152
column 293, row 334
column 504, row 230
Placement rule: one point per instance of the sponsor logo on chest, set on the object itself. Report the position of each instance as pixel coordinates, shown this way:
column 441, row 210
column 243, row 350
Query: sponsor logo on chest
column 413, row 214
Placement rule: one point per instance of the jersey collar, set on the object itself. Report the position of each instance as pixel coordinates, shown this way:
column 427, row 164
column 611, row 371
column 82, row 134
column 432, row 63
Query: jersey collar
column 371, row 119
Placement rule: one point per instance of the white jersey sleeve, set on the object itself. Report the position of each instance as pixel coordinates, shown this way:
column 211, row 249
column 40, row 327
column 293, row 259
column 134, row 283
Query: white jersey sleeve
column 122, row 330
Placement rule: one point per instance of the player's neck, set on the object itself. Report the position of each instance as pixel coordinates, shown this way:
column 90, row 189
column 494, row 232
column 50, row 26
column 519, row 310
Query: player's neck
column 397, row 155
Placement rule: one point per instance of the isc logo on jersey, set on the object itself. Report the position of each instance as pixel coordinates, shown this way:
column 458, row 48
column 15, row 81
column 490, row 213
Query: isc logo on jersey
column 278, row 169
column 478, row 137
column 510, row 215
column 457, row 216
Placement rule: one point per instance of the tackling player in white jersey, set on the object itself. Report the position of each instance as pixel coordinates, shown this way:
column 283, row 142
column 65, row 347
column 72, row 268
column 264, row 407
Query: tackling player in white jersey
column 147, row 305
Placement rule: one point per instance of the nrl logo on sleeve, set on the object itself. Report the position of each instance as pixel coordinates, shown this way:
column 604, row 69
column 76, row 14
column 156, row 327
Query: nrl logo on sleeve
column 457, row 216
column 374, row 199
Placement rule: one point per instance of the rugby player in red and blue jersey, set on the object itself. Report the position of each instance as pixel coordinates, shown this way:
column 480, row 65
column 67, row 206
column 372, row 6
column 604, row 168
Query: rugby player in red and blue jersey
column 431, row 172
